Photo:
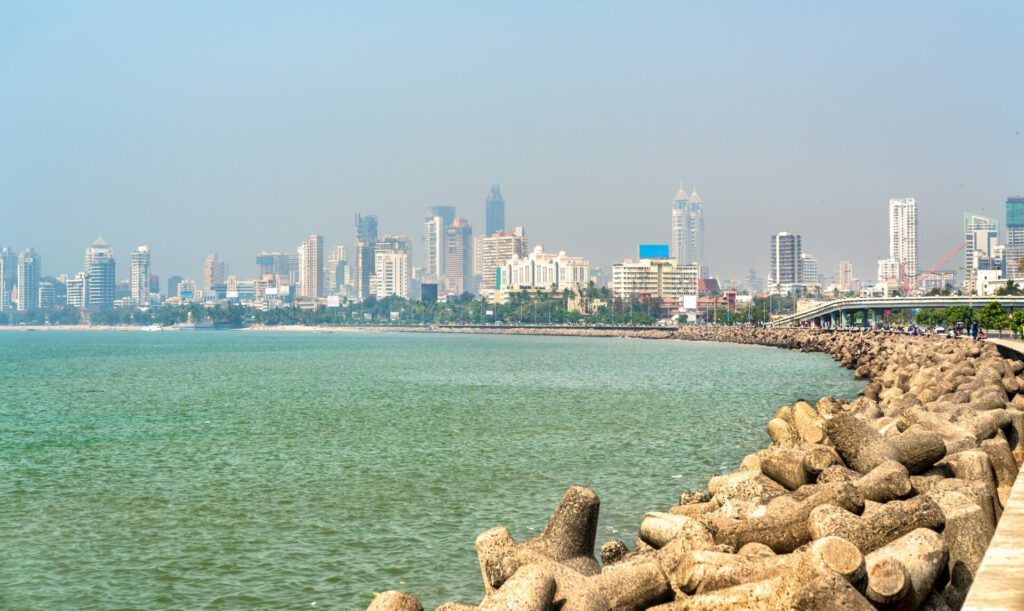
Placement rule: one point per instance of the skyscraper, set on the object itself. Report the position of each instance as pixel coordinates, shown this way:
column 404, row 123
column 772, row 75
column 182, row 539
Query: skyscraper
column 28, row 280
column 978, row 231
column 1015, row 237
column 808, row 269
column 8, row 276
column 391, row 266
column 784, row 265
column 311, row 262
column 139, row 278
column 458, row 257
column 336, row 270
column 100, row 275
column 845, row 276
column 903, row 237
column 214, row 272
column 687, row 228
column 495, row 210
column 434, row 232
column 172, row 285
column 495, row 250
column 366, row 241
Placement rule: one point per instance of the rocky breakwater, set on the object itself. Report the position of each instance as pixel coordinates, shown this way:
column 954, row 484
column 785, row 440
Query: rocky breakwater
column 888, row 501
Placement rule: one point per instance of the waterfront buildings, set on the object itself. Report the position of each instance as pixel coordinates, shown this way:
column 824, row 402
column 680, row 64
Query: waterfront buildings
column 214, row 272
column 655, row 278
column 47, row 296
column 495, row 250
column 366, row 241
column 8, row 276
column 687, row 245
column 435, row 230
column 545, row 271
column 1015, row 237
column 311, row 262
column 458, row 257
column 172, row 285
column 336, row 271
column 903, row 237
column 100, row 275
column 29, row 267
column 784, row 265
column 495, row 211
column 844, row 275
column 809, row 270
column 391, row 275
column 139, row 275
column 75, row 287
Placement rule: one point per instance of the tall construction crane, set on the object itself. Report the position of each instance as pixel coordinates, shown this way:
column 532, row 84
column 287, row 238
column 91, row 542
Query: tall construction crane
column 909, row 288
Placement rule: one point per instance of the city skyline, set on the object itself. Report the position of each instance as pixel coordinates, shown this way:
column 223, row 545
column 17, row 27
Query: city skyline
column 231, row 161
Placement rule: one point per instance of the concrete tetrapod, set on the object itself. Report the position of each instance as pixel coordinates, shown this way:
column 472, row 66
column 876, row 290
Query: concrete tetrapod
column 868, row 533
column 786, row 528
column 901, row 573
column 393, row 600
column 863, row 448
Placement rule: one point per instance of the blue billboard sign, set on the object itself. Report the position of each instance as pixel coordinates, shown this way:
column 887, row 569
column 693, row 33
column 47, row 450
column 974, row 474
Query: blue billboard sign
column 654, row 251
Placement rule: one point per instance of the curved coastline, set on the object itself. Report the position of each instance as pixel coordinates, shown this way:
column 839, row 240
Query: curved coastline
column 886, row 501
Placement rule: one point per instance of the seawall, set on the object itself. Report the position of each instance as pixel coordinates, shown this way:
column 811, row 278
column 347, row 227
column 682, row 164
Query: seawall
column 888, row 501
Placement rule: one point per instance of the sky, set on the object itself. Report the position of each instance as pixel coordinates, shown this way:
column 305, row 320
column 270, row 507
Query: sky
column 236, row 127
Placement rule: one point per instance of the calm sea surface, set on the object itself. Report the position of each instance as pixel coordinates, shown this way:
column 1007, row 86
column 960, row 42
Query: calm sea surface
column 277, row 470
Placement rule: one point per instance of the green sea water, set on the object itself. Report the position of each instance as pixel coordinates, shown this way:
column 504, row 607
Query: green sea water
column 277, row 470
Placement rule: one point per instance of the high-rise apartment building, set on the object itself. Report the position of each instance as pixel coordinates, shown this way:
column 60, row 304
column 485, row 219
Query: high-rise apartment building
column 495, row 250
column 903, row 237
column 495, row 211
column 100, row 275
column 139, row 277
column 28, row 280
column 337, row 270
column 8, row 276
column 845, row 276
column 47, row 296
column 366, row 241
column 391, row 275
column 1015, row 237
column 979, row 232
column 784, row 264
column 311, row 262
column 458, row 257
column 687, row 244
column 76, row 287
column 172, row 285
column 656, row 278
column 214, row 272
column 435, row 230
column 808, row 269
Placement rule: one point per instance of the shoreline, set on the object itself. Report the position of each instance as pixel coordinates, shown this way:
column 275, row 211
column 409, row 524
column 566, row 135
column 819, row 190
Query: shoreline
column 886, row 501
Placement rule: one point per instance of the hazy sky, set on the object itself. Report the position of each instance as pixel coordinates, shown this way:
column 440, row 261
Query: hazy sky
column 242, row 126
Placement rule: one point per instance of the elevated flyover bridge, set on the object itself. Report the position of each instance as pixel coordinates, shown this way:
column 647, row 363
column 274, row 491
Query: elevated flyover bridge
column 865, row 311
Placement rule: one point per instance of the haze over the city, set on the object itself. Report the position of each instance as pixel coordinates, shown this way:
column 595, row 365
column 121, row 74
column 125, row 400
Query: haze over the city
column 201, row 127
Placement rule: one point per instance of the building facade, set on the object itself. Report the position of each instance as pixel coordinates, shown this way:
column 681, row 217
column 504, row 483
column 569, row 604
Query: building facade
column 687, row 228
column 784, row 263
column 100, row 275
column 139, row 277
column 336, row 271
column 1015, row 238
column 29, row 268
column 844, row 276
column 8, row 276
column 495, row 250
column 494, row 209
column 76, row 287
column 366, row 241
column 392, row 274
column 809, row 270
column 434, row 233
column 458, row 257
column 655, row 278
column 545, row 271
column 214, row 272
column 311, row 262
column 903, row 237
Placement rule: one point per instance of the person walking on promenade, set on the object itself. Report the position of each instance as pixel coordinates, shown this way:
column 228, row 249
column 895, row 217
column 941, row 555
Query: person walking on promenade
column 974, row 330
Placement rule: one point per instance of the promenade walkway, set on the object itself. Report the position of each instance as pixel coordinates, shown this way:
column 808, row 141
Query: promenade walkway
column 999, row 583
